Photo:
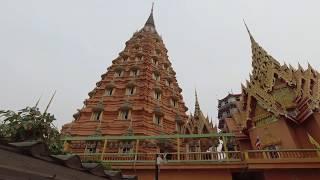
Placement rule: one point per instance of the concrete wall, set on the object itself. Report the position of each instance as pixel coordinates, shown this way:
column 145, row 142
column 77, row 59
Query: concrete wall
column 312, row 125
column 182, row 174
column 279, row 129
column 292, row 174
column 225, row 174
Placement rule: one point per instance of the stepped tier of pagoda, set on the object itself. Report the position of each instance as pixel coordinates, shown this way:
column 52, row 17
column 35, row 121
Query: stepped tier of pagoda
column 138, row 94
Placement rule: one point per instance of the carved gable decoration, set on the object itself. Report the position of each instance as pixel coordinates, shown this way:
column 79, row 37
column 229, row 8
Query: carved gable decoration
column 279, row 89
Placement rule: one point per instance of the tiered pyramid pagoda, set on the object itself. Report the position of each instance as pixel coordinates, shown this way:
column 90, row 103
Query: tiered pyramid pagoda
column 138, row 94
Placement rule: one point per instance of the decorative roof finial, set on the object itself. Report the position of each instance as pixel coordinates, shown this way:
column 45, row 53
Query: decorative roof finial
column 197, row 106
column 150, row 20
column 251, row 37
column 152, row 7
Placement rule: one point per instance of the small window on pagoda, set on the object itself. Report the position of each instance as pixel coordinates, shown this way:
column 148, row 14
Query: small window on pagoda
column 96, row 116
column 173, row 102
column 126, row 59
column 155, row 62
column 130, row 90
column 158, row 52
column 168, row 83
column 178, row 127
column 124, row 114
column 134, row 72
column 118, row 73
column 157, row 95
column 157, row 119
column 109, row 92
column 156, row 76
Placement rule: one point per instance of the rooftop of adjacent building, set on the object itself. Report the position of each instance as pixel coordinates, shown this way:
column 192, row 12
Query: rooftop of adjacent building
column 31, row 160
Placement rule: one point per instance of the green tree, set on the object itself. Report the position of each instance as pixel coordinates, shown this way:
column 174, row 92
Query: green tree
column 30, row 124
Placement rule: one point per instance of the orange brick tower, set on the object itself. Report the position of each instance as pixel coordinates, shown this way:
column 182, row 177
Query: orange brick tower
column 138, row 94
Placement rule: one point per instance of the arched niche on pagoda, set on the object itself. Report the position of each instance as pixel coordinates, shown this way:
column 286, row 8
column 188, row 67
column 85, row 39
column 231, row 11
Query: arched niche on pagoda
column 125, row 112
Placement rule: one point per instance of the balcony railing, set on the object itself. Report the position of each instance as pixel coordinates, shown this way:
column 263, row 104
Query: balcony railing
column 285, row 154
column 208, row 157
column 178, row 154
column 167, row 157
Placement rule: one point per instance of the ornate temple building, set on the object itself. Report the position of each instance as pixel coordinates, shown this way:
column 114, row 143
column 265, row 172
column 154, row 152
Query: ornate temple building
column 138, row 94
column 278, row 106
column 198, row 123
column 135, row 119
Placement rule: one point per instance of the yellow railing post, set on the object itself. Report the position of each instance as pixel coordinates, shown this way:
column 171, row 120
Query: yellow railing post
column 178, row 149
column 85, row 152
column 225, row 147
column 104, row 149
column 318, row 153
column 264, row 155
column 246, row 155
column 136, row 150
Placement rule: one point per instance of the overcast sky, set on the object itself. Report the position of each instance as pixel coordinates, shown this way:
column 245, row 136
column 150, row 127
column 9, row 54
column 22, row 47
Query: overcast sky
column 65, row 45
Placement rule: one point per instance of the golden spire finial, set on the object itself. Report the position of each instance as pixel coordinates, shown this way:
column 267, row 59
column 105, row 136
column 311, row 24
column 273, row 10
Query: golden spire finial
column 245, row 24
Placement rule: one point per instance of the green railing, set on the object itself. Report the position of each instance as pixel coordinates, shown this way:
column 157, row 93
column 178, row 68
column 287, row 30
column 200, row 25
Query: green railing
column 166, row 157
column 209, row 157
column 180, row 156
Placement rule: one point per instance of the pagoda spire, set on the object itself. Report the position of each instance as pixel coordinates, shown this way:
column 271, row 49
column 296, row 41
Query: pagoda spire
column 262, row 64
column 197, row 106
column 256, row 48
column 250, row 35
column 150, row 21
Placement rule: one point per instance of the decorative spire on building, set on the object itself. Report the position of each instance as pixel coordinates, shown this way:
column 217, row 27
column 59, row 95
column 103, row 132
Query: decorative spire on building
column 262, row 62
column 150, row 21
column 198, row 123
column 275, row 88
column 251, row 37
column 197, row 109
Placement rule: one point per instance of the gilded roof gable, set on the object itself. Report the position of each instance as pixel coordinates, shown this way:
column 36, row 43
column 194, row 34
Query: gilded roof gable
column 279, row 89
